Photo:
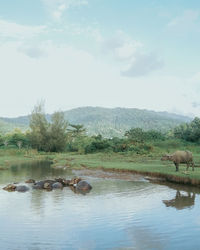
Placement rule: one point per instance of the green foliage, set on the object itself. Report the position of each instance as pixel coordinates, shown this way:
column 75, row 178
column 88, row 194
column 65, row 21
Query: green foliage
column 1, row 140
column 116, row 144
column 107, row 122
column 39, row 134
column 57, row 133
column 76, row 130
column 189, row 131
column 140, row 136
column 18, row 139
column 97, row 144
column 135, row 134
column 46, row 136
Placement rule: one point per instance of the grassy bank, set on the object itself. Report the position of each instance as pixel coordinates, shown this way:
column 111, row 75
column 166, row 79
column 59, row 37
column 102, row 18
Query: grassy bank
column 150, row 165
column 11, row 157
column 147, row 165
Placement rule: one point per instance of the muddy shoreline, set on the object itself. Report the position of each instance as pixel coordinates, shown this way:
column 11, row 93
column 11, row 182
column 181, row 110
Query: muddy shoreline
column 150, row 176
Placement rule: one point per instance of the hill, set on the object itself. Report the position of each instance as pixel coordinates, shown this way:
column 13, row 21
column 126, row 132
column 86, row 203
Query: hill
column 109, row 122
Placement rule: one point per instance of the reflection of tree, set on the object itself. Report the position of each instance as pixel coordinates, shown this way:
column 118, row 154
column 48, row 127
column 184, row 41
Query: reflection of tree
column 181, row 201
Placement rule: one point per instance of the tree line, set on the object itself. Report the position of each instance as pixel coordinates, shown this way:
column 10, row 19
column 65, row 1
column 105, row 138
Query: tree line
column 58, row 135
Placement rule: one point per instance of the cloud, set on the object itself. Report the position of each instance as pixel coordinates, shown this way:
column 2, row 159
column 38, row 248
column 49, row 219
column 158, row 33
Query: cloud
column 33, row 51
column 142, row 64
column 120, row 48
column 57, row 8
column 196, row 104
column 69, row 77
column 130, row 53
column 188, row 21
column 14, row 30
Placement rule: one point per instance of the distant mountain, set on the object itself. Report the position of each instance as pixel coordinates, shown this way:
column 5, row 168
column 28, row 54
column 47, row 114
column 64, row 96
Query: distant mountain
column 111, row 122
column 9, row 126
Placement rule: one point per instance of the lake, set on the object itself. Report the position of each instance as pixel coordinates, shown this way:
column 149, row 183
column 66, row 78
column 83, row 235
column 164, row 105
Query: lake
column 122, row 211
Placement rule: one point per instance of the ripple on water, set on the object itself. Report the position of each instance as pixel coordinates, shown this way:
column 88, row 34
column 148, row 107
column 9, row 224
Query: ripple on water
column 116, row 214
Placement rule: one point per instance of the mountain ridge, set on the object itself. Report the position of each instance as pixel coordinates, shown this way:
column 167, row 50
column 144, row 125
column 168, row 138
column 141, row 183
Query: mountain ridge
column 111, row 121
column 108, row 121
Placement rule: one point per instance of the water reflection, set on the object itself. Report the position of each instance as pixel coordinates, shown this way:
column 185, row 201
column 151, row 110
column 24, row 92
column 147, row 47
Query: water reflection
column 77, row 191
column 184, row 197
column 143, row 238
column 181, row 201
column 116, row 214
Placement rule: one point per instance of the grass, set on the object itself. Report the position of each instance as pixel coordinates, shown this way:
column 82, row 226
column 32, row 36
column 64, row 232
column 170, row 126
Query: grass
column 10, row 157
column 141, row 164
column 144, row 164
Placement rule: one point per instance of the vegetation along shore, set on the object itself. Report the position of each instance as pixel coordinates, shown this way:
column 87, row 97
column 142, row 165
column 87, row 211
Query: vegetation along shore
column 69, row 146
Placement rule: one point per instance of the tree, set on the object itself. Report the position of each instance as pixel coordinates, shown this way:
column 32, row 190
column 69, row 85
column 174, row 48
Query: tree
column 77, row 130
column 189, row 131
column 135, row 134
column 1, row 140
column 17, row 138
column 39, row 136
column 47, row 136
column 58, row 132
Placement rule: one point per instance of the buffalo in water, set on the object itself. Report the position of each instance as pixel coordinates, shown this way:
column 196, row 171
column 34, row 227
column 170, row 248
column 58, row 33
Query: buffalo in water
column 180, row 157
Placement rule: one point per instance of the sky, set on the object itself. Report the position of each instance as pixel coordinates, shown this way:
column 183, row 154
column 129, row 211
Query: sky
column 109, row 53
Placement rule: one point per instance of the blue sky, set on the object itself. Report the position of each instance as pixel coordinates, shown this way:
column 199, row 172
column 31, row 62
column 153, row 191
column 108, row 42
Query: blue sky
column 127, row 53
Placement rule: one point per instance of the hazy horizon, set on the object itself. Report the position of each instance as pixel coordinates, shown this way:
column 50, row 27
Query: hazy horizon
column 97, row 107
column 77, row 53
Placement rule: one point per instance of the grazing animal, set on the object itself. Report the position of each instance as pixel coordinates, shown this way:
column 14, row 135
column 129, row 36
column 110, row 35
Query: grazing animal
column 180, row 157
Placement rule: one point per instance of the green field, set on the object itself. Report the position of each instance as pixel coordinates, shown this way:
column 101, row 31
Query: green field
column 147, row 165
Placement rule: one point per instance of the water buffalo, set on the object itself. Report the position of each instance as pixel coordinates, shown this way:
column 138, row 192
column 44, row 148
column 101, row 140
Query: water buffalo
column 83, row 186
column 10, row 187
column 22, row 188
column 180, row 157
column 57, row 185
column 46, row 184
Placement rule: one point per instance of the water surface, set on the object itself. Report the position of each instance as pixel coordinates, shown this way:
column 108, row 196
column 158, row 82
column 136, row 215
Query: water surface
column 123, row 213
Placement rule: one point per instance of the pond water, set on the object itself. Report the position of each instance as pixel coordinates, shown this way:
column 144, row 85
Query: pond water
column 121, row 212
